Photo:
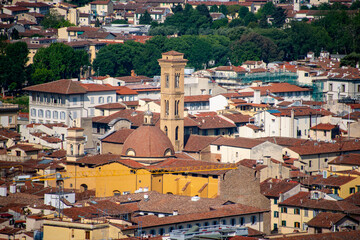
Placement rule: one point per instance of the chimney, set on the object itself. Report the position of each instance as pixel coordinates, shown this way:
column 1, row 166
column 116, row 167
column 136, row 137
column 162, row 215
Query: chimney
column 175, row 212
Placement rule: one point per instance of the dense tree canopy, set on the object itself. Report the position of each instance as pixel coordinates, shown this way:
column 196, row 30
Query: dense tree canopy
column 58, row 61
column 55, row 20
column 13, row 58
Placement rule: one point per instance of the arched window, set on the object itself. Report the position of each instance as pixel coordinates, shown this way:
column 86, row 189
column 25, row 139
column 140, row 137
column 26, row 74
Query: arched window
column 55, row 114
column 152, row 232
column 177, row 133
column 177, row 79
column 101, row 99
column 109, row 99
column 71, row 149
column 33, row 112
column 62, row 115
column 79, row 146
column 83, row 187
column 166, row 130
column 40, row 113
column 48, row 114
column 161, row 231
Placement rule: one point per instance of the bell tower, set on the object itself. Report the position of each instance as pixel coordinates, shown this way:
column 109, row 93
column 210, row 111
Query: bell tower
column 75, row 143
column 172, row 97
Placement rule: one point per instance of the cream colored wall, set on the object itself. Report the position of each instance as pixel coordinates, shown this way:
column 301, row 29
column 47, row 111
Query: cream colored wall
column 290, row 217
column 111, row 148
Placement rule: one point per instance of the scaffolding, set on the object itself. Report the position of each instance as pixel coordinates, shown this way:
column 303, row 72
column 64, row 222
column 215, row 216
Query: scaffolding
column 271, row 77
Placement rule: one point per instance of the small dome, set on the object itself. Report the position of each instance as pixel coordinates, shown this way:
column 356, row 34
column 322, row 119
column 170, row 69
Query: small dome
column 148, row 141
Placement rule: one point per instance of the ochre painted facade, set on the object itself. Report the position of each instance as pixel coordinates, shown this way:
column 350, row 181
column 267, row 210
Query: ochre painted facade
column 115, row 178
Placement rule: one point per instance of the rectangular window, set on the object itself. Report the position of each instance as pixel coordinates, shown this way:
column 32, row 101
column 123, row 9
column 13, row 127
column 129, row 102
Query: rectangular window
column 166, row 80
column 306, row 212
column 296, row 211
column 276, row 214
column 330, row 87
column 92, row 101
column 75, row 100
column 253, row 219
column 309, row 164
column 296, row 225
column 284, row 209
column 275, row 200
column 342, row 87
column 352, row 190
column 283, row 223
column 87, row 235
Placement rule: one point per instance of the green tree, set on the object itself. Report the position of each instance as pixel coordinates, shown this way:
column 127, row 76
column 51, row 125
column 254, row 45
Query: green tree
column 267, row 10
column 55, row 20
column 351, row 60
column 232, row 10
column 243, row 11
column 249, row 18
column 120, row 21
column 214, row 8
column 58, row 61
column 177, row 8
column 279, row 17
column 253, row 46
column 355, row 5
column 115, row 60
column 223, row 9
column 145, row 18
column 13, row 58
column 219, row 23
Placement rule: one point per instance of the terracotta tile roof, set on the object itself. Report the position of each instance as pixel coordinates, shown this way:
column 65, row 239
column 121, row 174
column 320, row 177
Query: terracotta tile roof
column 197, row 143
column 274, row 187
column 223, row 211
column 238, row 142
column 190, row 122
column 252, row 126
column 332, row 180
column 325, row 219
column 135, row 79
column 111, row 106
column 251, row 163
column 21, row 199
column 212, row 122
column 25, row 147
column 64, row 86
column 105, row 2
column 280, row 88
column 32, row 4
column 191, row 165
column 258, row 70
column 173, row 53
column 135, row 117
column 237, row 69
column 353, row 116
column 302, row 200
column 118, row 137
column 312, row 147
column 16, row 9
column 284, row 141
column 197, row 98
column 352, row 159
column 354, row 199
column 91, row 87
column 123, row 90
column 99, row 159
column 351, row 235
column 324, row 126
column 301, row 111
column 9, row 134
column 239, row 118
column 231, row 95
column 252, row 62
column 131, row 103
column 9, row 231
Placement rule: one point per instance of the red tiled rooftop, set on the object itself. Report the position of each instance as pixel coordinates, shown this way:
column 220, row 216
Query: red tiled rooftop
column 118, row 136
column 196, row 143
column 237, row 142
column 273, row 188
column 352, row 159
column 111, row 106
column 323, row 126
column 197, row 98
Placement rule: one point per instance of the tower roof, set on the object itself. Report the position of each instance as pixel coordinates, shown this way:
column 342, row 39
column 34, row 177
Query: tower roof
column 148, row 141
column 173, row 53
